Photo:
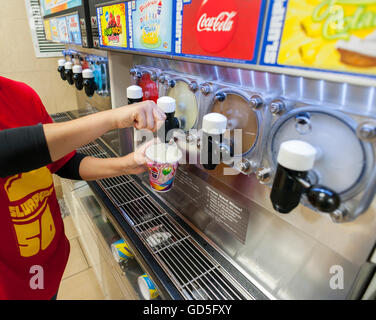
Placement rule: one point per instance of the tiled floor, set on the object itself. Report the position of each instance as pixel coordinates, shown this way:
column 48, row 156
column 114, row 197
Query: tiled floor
column 79, row 281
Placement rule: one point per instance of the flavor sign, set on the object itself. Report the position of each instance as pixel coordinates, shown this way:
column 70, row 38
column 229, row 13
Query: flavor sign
column 112, row 26
column 52, row 6
column 47, row 30
column 54, row 30
column 62, row 29
column 151, row 25
column 336, row 35
column 219, row 29
column 74, row 29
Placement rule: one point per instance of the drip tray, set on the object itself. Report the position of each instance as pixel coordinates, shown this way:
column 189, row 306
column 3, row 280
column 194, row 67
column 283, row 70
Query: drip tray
column 194, row 272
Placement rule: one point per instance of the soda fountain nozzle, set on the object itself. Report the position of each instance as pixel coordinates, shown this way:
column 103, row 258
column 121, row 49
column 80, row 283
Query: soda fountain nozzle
column 89, row 82
column 68, row 72
column 295, row 159
column 134, row 94
column 168, row 105
column 61, row 68
column 77, row 77
column 212, row 142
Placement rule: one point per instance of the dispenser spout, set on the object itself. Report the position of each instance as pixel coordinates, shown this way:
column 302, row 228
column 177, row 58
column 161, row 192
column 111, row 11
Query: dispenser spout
column 168, row 105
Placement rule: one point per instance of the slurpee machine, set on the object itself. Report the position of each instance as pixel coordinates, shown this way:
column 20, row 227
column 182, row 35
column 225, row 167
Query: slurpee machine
column 272, row 104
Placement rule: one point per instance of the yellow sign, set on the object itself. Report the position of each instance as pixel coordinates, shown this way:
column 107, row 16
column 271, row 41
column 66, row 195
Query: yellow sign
column 47, row 30
column 113, row 32
column 337, row 35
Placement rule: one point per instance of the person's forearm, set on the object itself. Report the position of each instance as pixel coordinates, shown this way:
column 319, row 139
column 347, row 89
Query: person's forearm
column 95, row 168
column 64, row 137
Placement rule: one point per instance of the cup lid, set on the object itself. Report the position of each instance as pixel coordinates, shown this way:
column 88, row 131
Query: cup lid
column 214, row 123
column 164, row 153
column 68, row 65
column 296, row 155
column 87, row 73
column 61, row 62
column 167, row 104
column 134, row 92
column 77, row 68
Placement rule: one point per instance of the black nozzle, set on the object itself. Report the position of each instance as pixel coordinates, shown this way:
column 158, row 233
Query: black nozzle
column 61, row 70
column 210, row 148
column 69, row 76
column 90, row 86
column 78, row 81
column 287, row 190
column 171, row 123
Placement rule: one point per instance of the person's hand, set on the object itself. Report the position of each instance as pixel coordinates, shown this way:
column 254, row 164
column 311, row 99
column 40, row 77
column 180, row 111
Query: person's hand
column 136, row 161
column 142, row 115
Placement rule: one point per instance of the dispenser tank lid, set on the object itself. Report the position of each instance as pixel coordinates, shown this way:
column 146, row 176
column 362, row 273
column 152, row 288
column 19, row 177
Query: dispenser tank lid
column 134, row 92
column 87, row 74
column 214, row 123
column 296, row 155
column 68, row 65
column 61, row 62
column 167, row 104
column 77, row 69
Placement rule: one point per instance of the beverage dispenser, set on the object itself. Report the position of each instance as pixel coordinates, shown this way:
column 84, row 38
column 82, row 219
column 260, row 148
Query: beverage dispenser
column 147, row 79
column 77, row 77
column 331, row 179
column 61, row 68
column 280, row 183
column 184, row 89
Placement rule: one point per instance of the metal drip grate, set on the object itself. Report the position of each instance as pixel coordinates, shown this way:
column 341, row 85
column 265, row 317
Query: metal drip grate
column 194, row 272
column 60, row 117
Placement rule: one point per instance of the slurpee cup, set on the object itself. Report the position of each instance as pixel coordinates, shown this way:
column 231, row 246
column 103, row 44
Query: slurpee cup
column 162, row 161
column 147, row 287
column 121, row 250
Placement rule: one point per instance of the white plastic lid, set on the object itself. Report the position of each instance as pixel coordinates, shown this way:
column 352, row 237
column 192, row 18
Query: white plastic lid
column 296, row 155
column 164, row 153
column 134, row 92
column 87, row 74
column 77, row 68
column 214, row 123
column 68, row 65
column 61, row 62
column 167, row 104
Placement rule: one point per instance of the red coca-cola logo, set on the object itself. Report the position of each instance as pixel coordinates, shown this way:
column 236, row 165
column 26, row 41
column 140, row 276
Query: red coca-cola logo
column 216, row 24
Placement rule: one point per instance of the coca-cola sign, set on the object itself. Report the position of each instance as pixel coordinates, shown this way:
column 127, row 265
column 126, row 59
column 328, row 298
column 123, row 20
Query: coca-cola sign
column 216, row 25
column 224, row 29
column 223, row 22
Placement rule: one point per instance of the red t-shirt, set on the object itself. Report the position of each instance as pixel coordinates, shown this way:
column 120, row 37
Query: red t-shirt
column 33, row 247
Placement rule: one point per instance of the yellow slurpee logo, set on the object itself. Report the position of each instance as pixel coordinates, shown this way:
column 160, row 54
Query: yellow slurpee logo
column 28, row 195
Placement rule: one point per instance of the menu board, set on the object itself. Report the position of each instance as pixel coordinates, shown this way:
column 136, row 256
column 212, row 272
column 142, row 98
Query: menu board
column 52, row 6
column 150, row 25
column 74, row 32
column 47, row 30
column 62, row 29
column 225, row 30
column 54, row 30
column 112, row 26
column 335, row 35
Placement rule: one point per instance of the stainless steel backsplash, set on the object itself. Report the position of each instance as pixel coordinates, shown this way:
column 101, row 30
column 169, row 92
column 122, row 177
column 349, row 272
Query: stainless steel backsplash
column 287, row 256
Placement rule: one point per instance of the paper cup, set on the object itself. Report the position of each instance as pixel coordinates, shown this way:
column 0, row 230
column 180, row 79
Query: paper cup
column 162, row 168
column 121, row 250
column 147, row 287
